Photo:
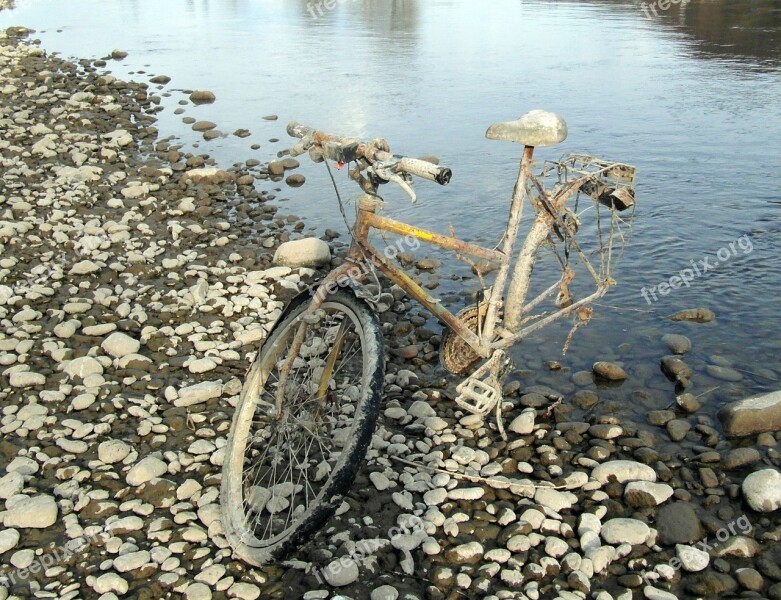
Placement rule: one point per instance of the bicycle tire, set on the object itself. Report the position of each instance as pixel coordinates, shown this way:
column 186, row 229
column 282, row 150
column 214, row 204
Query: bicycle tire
column 234, row 504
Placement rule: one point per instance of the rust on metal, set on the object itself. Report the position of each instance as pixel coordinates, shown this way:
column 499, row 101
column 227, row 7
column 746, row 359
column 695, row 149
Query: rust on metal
column 405, row 282
column 437, row 239
column 330, row 363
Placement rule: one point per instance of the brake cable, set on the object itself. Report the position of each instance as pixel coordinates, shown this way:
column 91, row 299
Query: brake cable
column 369, row 263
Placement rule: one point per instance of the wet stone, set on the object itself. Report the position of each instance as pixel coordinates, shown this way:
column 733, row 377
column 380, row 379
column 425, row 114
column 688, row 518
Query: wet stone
column 678, row 523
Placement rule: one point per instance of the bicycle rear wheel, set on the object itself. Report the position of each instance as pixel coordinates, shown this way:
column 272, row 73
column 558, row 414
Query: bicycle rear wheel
column 285, row 473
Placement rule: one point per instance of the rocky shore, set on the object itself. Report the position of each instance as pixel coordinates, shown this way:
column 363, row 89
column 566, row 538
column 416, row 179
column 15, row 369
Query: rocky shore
column 136, row 282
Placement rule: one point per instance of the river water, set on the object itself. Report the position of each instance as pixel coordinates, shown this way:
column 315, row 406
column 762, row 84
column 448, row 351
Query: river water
column 690, row 95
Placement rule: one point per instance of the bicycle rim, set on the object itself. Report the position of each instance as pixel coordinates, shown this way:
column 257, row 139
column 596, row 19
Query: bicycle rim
column 286, row 472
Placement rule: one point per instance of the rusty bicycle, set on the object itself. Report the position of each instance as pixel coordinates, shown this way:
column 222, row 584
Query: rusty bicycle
column 311, row 399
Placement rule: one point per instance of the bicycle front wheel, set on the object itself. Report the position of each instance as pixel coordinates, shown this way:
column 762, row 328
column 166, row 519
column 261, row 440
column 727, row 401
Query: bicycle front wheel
column 286, row 471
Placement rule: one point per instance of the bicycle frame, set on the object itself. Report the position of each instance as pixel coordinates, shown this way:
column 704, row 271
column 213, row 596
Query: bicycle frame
column 507, row 331
column 497, row 333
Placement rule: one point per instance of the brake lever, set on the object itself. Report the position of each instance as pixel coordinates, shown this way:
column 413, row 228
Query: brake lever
column 386, row 174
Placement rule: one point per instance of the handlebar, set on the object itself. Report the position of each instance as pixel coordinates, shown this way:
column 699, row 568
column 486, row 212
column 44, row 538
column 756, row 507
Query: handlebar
column 344, row 149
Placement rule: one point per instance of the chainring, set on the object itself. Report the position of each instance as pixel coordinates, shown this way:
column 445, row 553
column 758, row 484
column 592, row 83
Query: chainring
column 454, row 353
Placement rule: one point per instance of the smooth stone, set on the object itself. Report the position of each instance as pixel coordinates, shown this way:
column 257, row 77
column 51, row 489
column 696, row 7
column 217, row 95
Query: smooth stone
column 119, row 344
column 145, row 470
column 678, row 523
column 696, row 315
column 623, row 471
column 202, row 97
column 340, row 573
column 9, row 538
column 692, row 559
column 309, row 252
column 677, row 429
column 198, row 393
column 740, row 457
column 677, row 344
column 11, row 484
column 625, row 531
column 609, row 371
column 523, row 424
column 644, row 494
column 384, row 592
column 468, row 553
column 24, row 379
column 762, row 490
column 110, row 582
column 757, row 414
column 723, row 373
column 113, row 451
column 37, row 512
column 131, row 561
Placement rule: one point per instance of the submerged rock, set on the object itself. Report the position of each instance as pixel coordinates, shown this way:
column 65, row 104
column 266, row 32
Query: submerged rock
column 676, row 370
column 677, row 344
column 202, row 97
column 696, row 315
column 609, row 371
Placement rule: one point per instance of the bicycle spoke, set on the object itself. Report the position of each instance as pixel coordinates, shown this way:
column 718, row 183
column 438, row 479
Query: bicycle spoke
column 290, row 452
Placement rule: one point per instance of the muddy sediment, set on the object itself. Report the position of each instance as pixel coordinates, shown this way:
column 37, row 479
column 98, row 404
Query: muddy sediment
column 136, row 286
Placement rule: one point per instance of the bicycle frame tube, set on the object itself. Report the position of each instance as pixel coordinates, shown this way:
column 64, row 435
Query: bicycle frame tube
column 362, row 250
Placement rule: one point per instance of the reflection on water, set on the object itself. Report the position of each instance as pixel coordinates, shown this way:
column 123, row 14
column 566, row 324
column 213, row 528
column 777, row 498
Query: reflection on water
column 730, row 28
column 690, row 97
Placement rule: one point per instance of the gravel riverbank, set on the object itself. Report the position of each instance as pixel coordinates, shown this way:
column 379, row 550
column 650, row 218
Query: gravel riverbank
column 135, row 284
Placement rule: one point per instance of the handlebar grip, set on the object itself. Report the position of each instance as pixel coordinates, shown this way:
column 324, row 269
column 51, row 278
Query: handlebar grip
column 426, row 170
column 296, row 129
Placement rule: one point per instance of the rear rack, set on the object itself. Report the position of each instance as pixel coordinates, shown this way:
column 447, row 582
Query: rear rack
column 609, row 183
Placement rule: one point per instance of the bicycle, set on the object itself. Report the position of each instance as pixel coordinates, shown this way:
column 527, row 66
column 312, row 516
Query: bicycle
column 311, row 399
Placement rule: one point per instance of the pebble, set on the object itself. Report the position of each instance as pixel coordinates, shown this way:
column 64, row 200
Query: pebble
column 25, row 379
column 36, row 512
column 621, row 530
column 244, row 591
column 468, row 553
column 113, row 451
column 309, row 252
column 692, row 559
column 644, row 494
column 523, row 424
column 145, row 470
column 131, row 561
column 697, row 315
column 609, row 371
column 384, row 592
column 677, row 344
column 762, row 490
column 198, row 591
column 119, row 344
column 753, row 415
column 9, row 538
column 340, row 573
column 202, row 97
column 110, row 582
column 740, row 457
column 623, row 471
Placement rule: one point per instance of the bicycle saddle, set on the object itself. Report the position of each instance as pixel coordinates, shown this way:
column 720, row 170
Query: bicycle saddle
column 535, row 128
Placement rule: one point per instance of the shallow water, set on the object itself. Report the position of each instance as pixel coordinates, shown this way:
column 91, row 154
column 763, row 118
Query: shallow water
column 690, row 96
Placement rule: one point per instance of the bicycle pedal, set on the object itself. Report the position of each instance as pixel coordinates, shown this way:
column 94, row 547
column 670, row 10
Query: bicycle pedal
column 477, row 396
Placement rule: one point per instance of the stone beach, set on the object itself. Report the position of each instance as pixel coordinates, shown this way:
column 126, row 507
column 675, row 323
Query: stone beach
column 136, row 283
